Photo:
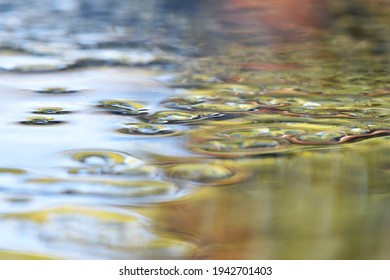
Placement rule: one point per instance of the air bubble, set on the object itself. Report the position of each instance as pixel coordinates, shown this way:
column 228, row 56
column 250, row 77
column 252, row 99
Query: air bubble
column 123, row 107
column 172, row 117
column 146, row 130
column 40, row 121
column 226, row 107
column 262, row 131
column 16, row 255
column 104, row 158
column 210, row 174
column 50, row 111
column 87, row 232
column 56, row 90
column 239, row 147
column 314, row 112
column 211, row 104
column 323, row 137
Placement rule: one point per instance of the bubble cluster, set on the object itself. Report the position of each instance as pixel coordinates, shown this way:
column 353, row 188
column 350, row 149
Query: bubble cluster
column 270, row 136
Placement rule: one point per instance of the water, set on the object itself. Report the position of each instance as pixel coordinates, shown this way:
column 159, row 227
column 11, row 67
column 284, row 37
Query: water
column 196, row 130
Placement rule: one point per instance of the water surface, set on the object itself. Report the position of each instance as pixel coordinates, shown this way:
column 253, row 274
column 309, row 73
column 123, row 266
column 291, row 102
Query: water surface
column 196, row 130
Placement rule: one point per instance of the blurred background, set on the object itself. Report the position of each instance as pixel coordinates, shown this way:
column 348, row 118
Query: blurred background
column 209, row 129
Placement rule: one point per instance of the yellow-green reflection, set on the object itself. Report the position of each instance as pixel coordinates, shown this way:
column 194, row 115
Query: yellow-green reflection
column 325, row 204
column 112, row 234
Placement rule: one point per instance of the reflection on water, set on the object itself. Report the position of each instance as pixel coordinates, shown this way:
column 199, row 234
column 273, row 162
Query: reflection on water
column 194, row 129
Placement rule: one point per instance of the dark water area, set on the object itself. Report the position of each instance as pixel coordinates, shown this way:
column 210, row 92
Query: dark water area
column 194, row 129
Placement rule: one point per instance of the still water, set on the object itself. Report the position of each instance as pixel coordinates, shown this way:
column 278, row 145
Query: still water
column 194, row 129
